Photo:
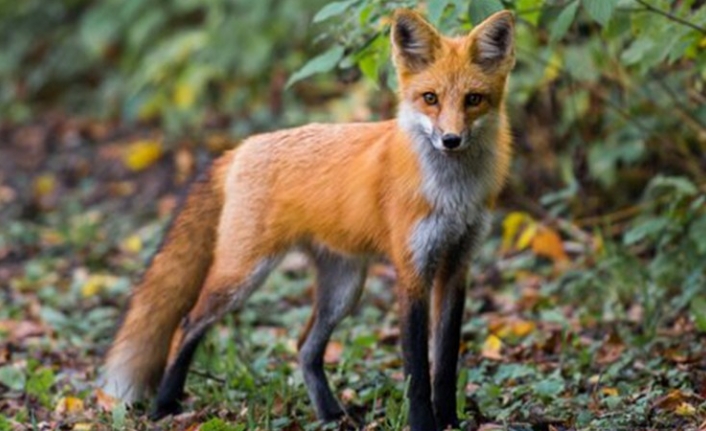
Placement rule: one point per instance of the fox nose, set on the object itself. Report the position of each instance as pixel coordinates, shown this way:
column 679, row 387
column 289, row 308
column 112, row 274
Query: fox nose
column 451, row 141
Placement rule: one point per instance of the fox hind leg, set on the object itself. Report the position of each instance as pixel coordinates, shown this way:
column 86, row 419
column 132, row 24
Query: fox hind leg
column 222, row 292
column 340, row 281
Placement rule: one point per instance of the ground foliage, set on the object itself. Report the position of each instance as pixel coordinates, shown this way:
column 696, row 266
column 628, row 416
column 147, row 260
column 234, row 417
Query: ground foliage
column 587, row 307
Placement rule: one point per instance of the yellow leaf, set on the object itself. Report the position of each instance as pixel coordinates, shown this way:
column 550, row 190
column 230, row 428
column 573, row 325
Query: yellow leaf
column 526, row 236
column 685, row 409
column 141, row 154
column 184, row 95
column 69, row 405
column 82, row 426
column 511, row 226
column 132, row 244
column 609, row 392
column 491, row 347
column 44, row 184
column 522, row 328
column 547, row 243
column 95, row 284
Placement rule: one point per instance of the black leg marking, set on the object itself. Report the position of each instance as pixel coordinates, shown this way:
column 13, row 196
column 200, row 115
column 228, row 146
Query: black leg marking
column 447, row 340
column 171, row 390
column 415, row 344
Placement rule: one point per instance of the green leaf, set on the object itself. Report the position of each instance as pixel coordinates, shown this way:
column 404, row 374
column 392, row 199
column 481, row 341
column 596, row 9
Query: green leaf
column 479, row 10
column 39, row 384
column 675, row 186
column 697, row 233
column 435, row 8
column 636, row 51
column 333, row 9
column 319, row 64
column 698, row 312
column 5, row 424
column 563, row 21
column 216, row 424
column 600, row 10
column 530, row 10
column 12, row 377
column 650, row 228
column 549, row 387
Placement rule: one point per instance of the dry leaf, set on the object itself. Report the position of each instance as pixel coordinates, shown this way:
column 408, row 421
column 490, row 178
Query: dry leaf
column 511, row 227
column 142, row 154
column 522, row 328
column 492, row 347
column 132, row 244
column 547, row 243
column 69, row 405
column 526, row 236
column 685, row 409
column 44, row 184
column 334, row 350
column 609, row 392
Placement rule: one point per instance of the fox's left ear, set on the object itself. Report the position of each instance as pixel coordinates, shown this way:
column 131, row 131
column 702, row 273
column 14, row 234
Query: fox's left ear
column 493, row 41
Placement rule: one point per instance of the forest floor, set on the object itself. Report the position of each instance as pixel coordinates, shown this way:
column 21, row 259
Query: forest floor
column 545, row 346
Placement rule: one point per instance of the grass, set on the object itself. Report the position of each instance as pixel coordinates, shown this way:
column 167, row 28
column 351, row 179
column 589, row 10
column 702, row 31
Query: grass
column 606, row 340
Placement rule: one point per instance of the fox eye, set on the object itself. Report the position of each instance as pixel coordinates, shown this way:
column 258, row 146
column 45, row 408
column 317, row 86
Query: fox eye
column 473, row 99
column 430, row 98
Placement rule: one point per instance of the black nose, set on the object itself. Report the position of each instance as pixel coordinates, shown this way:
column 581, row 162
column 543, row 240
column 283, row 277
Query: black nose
column 451, row 141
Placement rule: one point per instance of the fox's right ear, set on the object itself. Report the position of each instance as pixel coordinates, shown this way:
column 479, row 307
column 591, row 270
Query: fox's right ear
column 414, row 41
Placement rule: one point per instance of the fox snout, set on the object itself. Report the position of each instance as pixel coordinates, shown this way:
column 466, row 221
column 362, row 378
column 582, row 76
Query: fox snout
column 451, row 141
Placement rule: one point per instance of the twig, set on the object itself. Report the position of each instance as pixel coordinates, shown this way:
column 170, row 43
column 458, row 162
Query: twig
column 671, row 16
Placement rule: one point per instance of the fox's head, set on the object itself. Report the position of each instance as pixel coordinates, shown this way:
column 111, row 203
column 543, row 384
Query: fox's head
column 451, row 89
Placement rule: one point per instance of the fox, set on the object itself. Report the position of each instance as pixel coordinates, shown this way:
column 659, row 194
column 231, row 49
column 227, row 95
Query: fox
column 417, row 189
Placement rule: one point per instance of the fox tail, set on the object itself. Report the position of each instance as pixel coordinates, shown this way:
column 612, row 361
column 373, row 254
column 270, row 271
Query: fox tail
column 169, row 289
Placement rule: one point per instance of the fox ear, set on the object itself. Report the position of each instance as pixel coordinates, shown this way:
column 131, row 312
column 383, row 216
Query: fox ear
column 493, row 41
column 414, row 41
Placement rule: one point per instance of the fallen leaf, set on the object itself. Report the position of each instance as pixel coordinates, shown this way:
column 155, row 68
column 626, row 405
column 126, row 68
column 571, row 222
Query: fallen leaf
column 526, row 236
column 609, row 392
column 44, row 184
column 95, row 284
column 522, row 328
column 547, row 243
column 685, row 409
column 132, row 244
column 142, row 154
column 334, row 350
column 492, row 347
column 511, row 227
column 69, row 405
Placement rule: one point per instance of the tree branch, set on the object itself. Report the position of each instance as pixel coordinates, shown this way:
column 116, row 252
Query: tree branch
column 671, row 16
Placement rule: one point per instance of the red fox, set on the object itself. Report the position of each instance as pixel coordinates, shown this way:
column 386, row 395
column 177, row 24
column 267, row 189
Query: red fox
column 415, row 189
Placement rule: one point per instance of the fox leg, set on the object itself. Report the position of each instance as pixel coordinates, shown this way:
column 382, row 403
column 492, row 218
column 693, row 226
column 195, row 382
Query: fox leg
column 448, row 297
column 413, row 286
column 224, row 290
column 340, row 282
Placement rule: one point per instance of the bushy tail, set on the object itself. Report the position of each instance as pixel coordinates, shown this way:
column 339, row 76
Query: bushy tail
column 167, row 292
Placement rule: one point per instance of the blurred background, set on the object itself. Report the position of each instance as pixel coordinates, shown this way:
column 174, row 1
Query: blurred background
column 109, row 108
